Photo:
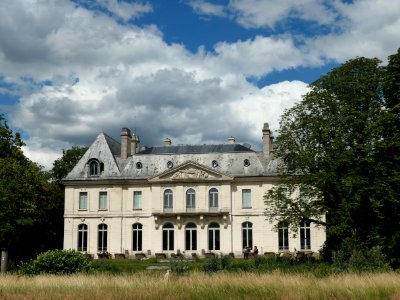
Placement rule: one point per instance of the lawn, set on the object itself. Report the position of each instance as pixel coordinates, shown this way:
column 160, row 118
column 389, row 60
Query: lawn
column 200, row 285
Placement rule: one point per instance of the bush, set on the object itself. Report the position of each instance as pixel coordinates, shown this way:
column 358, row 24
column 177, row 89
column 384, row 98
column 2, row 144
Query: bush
column 358, row 261
column 57, row 262
column 179, row 266
column 211, row 265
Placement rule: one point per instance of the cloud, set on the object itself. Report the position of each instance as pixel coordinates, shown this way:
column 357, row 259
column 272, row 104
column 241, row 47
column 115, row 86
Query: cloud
column 368, row 28
column 262, row 55
column 79, row 71
column 207, row 8
column 267, row 13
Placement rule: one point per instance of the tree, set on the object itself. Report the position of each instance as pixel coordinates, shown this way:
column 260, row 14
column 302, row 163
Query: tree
column 32, row 206
column 21, row 185
column 327, row 145
column 386, row 188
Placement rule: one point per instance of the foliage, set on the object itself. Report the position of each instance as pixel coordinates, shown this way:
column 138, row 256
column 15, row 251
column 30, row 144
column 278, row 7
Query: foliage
column 373, row 260
column 57, row 262
column 339, row 163
column 32, row 206
column 179, row 266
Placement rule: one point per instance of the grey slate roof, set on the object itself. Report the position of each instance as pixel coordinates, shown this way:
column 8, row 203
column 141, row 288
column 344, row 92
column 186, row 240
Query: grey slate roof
column 230, row 159
column 196, row 149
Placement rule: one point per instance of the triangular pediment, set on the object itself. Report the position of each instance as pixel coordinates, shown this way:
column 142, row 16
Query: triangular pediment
column 191, row 171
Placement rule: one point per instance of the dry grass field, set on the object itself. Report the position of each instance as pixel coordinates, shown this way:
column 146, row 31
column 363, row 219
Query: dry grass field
column 198, row 285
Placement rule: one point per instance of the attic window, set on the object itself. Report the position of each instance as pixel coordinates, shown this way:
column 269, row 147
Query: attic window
column 139, row 165
column 246, row 163
column 95, row 167
column 214, row 164
column 170, row 164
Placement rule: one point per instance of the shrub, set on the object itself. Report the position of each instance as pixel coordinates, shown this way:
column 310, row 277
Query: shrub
column 211, row 265
column 179, row 266
column 373, row 260
column 57, row 262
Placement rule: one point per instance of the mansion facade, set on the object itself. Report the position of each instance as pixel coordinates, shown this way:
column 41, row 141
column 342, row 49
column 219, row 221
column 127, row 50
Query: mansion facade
column 176, row 199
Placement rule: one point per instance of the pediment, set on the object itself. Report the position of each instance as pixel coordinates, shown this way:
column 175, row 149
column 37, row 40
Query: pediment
column 190, row 171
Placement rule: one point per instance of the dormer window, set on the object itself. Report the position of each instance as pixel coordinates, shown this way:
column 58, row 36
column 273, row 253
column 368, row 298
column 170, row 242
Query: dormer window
column 95, row 167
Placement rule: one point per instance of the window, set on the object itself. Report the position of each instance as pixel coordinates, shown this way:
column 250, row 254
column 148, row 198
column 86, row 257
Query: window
column 168, row 237
column 137, row 237
column 191, row 237
column 170, row 164
column 213, row 199
column 83, row 201
column 102, row 238
column 190, row 200
column 246, row 163
column 305, row 236
column 137, row 200
column 94, row 168
column 283, row 236
column 82, row 237
column 247, row 235
column 168, row 200
column 246, row 198
column 213, row 237
column 139, row 165
column 103, row 200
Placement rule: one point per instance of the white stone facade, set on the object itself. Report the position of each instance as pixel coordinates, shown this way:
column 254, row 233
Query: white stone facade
column 103, row 215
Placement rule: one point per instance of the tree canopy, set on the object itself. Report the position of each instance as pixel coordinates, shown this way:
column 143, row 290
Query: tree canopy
column 339, row 157
column 31, row 200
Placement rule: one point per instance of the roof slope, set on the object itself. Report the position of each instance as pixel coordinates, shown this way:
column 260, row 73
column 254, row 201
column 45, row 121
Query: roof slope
column 103, row 148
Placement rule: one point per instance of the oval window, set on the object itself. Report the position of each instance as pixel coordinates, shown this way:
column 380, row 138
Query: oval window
column 246, row 163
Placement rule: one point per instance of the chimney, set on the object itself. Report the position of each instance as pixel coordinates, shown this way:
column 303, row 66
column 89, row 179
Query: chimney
column 134, row 144
column 125, row 142
column 167, row 142
column 267, row 140
column 231, row 140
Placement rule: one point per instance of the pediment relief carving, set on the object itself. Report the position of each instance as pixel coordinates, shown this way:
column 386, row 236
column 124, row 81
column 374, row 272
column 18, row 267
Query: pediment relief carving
column 190, row 172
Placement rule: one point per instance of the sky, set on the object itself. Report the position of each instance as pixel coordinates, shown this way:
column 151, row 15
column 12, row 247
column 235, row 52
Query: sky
column 196, row 71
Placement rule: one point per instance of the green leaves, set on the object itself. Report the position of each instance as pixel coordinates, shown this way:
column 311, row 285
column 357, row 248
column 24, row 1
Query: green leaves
column 342, row 143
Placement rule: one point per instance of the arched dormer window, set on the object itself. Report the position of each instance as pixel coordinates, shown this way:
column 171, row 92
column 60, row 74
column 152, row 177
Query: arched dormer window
column 95, row 167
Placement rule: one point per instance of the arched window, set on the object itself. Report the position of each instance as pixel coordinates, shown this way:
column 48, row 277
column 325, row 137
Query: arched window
column 168, row 237
column 283, row 236
column 102, row 238
column 94, row 167
column 213, row 237
column 137, row 237
column 168, row 200
column 191, row 237
column 190, row 200
column 82, row 237
column 247, row 235
column 213, row 199
column 305, row 236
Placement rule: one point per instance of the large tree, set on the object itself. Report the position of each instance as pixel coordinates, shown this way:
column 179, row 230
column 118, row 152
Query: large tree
column 330, row 146
column 31, row 200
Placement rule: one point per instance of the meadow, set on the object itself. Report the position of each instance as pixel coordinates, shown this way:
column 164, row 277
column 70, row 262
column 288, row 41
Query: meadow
column 200, row 285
